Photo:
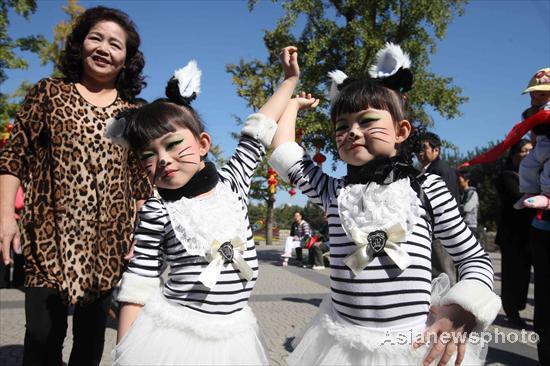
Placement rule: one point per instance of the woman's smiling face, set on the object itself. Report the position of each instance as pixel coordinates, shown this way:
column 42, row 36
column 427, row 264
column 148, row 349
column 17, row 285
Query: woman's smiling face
column 104, row 51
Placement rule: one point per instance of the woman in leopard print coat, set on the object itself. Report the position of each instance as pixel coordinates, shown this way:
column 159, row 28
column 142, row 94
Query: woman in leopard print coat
column 81, row 190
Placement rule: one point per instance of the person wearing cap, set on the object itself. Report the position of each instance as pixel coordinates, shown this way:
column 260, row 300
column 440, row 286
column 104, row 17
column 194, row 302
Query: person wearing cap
column 534, row 169
column 534, row 172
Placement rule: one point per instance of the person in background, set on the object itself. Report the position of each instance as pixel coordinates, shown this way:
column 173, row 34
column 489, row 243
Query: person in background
column 82, row 191
column 299, row 230
column 469, row 200
column 320, row 247
column 429, row 157
column 513, row 236
column 534, row 170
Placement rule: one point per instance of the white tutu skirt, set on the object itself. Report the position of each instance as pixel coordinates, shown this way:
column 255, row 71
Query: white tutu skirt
column 165, row 333
column 331, row 340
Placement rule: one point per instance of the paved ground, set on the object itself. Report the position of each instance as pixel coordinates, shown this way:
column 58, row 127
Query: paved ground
column 284, row 299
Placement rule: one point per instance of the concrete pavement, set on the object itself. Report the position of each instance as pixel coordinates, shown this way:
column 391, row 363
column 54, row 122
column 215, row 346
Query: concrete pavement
column 284, row 300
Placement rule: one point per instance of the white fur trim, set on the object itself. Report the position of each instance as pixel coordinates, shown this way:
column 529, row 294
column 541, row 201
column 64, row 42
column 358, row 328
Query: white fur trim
column 189, row 79
column 261, row 128
column 337, row 78
column 284, row 157
column 137, row 289
column 114, row 130
column 388, row 60
column 477, row 298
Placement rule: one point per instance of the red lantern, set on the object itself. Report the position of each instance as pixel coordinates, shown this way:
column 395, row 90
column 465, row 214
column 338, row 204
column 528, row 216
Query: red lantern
column 5, row 135
column 271, row 181
column 291, row 192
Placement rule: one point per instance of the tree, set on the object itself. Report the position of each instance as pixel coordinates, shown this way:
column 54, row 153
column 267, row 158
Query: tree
column 345, row 35
column 9, row 60
column 47, row 51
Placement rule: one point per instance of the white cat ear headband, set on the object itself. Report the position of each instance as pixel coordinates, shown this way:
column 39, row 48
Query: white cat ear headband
column 188, row 81
column 391, row 69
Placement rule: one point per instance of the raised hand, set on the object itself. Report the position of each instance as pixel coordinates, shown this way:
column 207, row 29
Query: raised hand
column 305, row 101
column 289, row 59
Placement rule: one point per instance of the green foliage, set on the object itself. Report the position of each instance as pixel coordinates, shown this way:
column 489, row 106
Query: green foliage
column 8, row 57
column 283, row 216
column 38, row 44
column 345, row 35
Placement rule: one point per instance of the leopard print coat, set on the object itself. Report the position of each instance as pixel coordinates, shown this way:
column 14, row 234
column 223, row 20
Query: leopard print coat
column 80, row 191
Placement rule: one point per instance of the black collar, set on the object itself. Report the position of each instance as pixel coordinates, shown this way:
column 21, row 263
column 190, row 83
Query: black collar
column 203, row 181
column 383, row 171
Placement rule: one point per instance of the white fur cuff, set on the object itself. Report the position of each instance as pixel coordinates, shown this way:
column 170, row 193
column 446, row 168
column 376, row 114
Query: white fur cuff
column 477, row 298
column 260, row 128
column 137, row 289
column 284, row 157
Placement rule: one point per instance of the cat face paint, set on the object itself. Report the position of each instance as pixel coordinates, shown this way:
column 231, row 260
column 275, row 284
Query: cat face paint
column 171, row 160
column 362, row 136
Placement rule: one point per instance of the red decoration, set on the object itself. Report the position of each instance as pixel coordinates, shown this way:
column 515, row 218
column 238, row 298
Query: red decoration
column 4, row 136
column 271, row 180
column 517, row 132
column 291, row 192
column 319, row 158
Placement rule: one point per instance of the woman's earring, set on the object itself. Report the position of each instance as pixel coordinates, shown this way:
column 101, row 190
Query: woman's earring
column 162, row 163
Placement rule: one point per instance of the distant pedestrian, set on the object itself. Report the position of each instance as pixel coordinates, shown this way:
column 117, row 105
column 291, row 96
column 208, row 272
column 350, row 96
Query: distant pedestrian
column 534, row 171
column 469, row 200
column 430, row 158
column 299, row 231
column 513, row 236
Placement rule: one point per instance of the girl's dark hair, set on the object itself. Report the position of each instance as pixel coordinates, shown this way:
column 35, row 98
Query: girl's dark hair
column 357, row 95
column 160, row 117
column 130, row 81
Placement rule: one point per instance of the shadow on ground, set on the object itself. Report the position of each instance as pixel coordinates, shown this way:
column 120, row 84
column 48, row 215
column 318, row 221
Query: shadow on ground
column 508, row 358
column 315, row 302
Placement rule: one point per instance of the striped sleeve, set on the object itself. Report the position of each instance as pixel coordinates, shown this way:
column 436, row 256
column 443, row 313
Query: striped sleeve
column 474, row 290
column 239, row 169
column 449, row 227
column 142, row 276
column 295, row 166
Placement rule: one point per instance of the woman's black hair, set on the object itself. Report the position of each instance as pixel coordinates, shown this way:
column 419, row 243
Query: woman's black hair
column 357, row 95
column 160, row 117
column 514, row 150
column 130, row 81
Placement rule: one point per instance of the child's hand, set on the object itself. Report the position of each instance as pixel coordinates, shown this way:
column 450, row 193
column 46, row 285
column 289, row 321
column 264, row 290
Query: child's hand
column 449, row 331
column 305, row 101
column 289, row 58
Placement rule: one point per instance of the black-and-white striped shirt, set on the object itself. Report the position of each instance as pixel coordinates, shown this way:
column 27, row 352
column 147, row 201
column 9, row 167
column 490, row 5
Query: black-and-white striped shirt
column 157, row 246
column 382, row 295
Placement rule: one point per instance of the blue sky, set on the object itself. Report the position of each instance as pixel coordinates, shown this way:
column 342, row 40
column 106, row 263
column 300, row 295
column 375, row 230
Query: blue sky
column 490, row 52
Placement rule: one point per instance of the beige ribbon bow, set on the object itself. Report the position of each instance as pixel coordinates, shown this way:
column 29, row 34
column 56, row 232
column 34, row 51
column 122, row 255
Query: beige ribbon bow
column 210, row 275
column 358, row 260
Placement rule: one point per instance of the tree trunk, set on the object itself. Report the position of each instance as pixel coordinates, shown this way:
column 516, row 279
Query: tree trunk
column 269, row 220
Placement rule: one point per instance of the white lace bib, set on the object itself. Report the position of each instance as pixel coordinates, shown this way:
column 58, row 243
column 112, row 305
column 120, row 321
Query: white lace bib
column 198, row 222
column 371, row 207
